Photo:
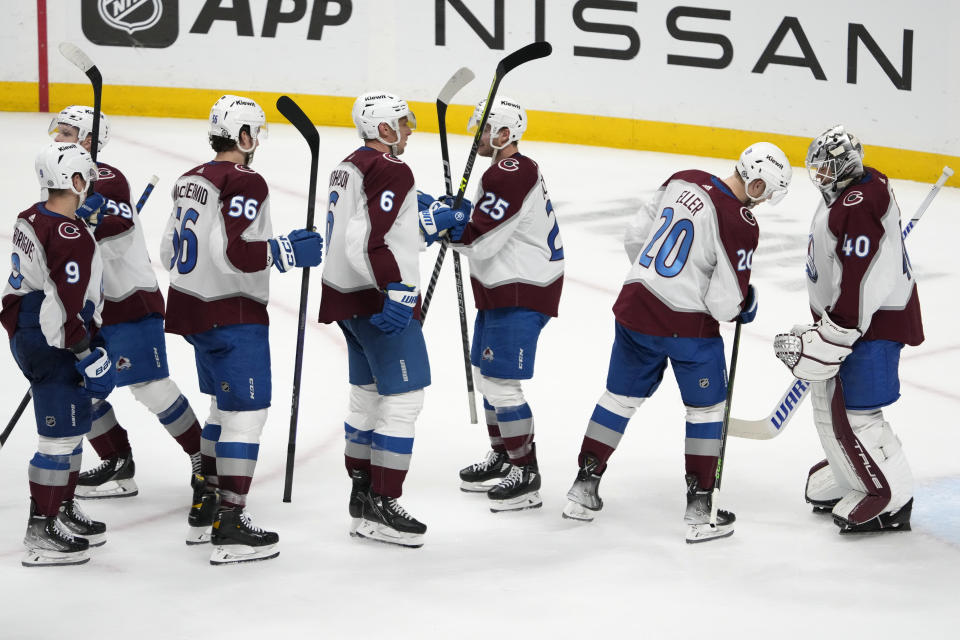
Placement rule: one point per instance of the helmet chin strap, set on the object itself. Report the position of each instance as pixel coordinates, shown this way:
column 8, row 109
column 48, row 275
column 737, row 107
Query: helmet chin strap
column 394, row 146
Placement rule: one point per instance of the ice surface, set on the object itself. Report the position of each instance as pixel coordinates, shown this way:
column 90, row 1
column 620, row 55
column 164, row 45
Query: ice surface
column 786, row 573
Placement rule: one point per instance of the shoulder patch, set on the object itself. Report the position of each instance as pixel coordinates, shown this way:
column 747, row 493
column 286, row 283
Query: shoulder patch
column 853, row 198
column 242, row 168
column 68, row 231
column 105, row 173
column 747, row 215
column 393, row 158
column 509, row 164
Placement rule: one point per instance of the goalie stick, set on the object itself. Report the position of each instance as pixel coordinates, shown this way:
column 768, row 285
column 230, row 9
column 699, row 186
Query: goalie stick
column 791, row 399
column 532, row 51
column 457, row 81
column 26, row 397
column 292, row 112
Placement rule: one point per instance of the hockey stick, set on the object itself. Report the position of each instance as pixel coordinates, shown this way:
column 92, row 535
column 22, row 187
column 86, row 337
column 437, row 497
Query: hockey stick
column 26, row 397
column 734, row 352
column 791, row 399
column 83, row 62
column 292, row 112
column 532, row 51
column 456, row 82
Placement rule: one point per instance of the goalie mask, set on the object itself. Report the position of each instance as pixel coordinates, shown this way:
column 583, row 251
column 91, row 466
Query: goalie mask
column 82, row 118
column 230, row 114
column 767, row 162
column 376, row 107
column 505, row 113
column 59, row 161
column 834, row 160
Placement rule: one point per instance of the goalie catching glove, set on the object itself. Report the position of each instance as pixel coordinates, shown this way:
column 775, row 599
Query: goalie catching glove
column 814, row 352
column 299, row 248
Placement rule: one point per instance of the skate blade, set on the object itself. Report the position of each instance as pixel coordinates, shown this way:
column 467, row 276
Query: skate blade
column 478, row 487
column 871, row 527
column 576, row 511
column 237, row 553
column 705, row 532
column 198, row 535
column 49, row 558
column 520, row 503
column 110, row 489
column 96, row 540
column 378, row 533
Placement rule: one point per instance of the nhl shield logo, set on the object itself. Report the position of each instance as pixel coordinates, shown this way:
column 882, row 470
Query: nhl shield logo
column 704, row 383
column 51, row 421
column 130, row 15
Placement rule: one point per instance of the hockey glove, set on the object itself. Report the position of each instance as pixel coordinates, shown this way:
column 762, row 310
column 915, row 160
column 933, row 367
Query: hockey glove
column 98, row 374
column 749, row 309
column 299, row 248
column 89, row 209
column 440, row 217
column 815, row 352
column 397, row 308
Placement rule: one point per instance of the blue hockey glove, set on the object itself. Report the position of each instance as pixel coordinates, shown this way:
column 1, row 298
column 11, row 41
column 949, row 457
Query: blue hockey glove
column 441, row 217
column 89, row 209
column 98, row 374
column 397, row 308
column 749, row 310
column 299, row 248
column 425, row 200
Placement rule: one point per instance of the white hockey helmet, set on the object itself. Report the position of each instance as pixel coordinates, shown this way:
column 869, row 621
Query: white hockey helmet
column 59, row 161
column 834, row 160
column 374, row 107
column 230, row 114
column 81, row 117
column 767, row 162
column 506, row 113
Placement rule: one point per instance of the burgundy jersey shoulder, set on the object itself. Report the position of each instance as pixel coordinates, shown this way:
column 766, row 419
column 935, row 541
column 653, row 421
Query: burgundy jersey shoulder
column 511, row 178
column 230, row 178
column 862, row 203
column 381, row 170
column 111, row 183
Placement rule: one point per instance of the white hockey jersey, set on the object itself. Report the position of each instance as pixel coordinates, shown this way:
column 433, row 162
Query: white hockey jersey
column 56, row 278
column 215, row 246
column 513, row 240
column 692, row 251
column 372, row 235
column 857, row 266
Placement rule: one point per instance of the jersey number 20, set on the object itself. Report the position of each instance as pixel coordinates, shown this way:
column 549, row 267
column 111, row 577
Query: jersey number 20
column 680, row 234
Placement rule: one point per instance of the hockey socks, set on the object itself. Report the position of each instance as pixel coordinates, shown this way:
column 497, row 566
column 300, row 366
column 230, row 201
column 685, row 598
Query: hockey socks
column 106, row 436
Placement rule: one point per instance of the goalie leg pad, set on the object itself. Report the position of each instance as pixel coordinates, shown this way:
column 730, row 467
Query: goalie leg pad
column 822, row 490
column 867, row 490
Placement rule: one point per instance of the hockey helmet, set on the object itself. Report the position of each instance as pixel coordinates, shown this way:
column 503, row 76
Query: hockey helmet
column 59, row 161
column 231, row 113
column 375, row 107
column 505, row 113
column 767, row 162
column 834, row 160
column 81, row 117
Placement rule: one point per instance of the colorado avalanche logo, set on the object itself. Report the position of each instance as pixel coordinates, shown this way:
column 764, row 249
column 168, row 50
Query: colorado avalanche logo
column 852, row 199
column 811, row 265
column 747, row 215
column 487, row 354
column 392, row 158
column 68, row 231
column 509, row 164
column 130, row 15
column 243, row 168
column 123, row 363
column 104, row 173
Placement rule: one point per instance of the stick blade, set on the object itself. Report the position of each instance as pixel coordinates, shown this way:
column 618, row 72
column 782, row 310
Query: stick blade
column 75, row 55
column 532, row 51
column 295, row 115
column 461, row 78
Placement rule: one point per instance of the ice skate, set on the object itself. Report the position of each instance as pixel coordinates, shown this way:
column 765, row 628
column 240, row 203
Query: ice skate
column 359, row 488
column 50, row 544
column 697, row 517
column 80, row 525
column 235, row 539
column 486, row 474
column 203, row 510
column 384, row 520
column 112, row 478
column 518, row 491
column 583, row 499
column 898, row 520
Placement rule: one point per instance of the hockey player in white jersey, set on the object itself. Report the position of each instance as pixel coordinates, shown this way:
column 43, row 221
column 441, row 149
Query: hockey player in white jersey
column 863, row 295
column 51, row 310
column 691, row 250
column 219, row 250
column 370, row 289
column 132, row 323
column 513, row 244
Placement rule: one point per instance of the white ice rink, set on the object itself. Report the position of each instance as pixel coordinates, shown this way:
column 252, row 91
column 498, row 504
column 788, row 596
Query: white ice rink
column 786, row 573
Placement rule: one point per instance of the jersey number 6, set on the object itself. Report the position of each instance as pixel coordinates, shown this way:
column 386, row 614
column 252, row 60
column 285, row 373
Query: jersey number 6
column 185, row 242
